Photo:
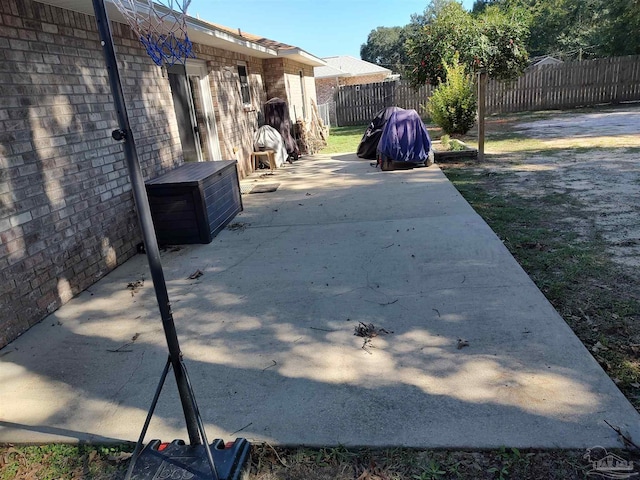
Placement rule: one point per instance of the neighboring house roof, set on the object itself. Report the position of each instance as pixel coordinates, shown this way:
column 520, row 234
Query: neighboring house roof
column 347, row 66
column 547, row 60
column 210, row 34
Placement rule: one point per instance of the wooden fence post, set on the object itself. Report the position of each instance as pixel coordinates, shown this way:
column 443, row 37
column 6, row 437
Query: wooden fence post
column 482, row 94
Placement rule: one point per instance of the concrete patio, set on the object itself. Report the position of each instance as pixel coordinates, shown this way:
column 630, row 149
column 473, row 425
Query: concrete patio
column 268, row 331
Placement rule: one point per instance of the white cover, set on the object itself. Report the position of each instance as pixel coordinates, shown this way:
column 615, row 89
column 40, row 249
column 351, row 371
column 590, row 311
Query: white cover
column 268, row 138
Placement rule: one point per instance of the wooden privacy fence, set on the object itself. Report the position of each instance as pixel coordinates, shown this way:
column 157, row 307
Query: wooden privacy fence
column 358, row 104
column 566, row 85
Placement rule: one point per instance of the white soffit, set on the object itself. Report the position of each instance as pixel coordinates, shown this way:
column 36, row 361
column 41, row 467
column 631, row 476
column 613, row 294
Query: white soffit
column 199, row 32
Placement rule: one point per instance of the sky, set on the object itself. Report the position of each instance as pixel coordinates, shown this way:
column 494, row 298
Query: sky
column 323, row 28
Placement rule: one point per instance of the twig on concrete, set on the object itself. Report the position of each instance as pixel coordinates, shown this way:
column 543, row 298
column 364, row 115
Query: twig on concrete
column 625, row 439
column 385, row 303
column 272, row 365
column 246, row 426
column 197, row 274
column 128, row 344
column 323, row 329
column 388, row 303
column 366, row 345
column 120, row 349
column 368, row 331
column 135, row 286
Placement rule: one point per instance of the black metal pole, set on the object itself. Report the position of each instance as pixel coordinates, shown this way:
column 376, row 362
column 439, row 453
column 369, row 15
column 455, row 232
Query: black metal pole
column 146, row 223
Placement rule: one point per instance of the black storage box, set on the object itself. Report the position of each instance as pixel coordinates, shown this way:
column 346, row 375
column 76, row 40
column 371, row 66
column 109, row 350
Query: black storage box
column 193, row 202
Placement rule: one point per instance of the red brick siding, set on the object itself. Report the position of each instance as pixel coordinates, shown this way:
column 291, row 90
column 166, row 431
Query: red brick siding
column 298, row 105
column 282, row 77
column 66, row 211
column 235, row 123
column 67, row 215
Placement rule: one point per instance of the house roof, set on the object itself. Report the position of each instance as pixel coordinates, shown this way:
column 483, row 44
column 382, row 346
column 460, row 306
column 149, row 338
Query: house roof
column 210, row 34
column 547, row 60
column 347, row 66
column 283, row 49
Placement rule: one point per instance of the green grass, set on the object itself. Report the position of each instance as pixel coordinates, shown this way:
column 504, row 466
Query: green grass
column 62, row 461
column 66, row 462
column 347, row 139
column 344, row 139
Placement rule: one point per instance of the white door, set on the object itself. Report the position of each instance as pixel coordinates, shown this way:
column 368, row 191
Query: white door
column 203, row 109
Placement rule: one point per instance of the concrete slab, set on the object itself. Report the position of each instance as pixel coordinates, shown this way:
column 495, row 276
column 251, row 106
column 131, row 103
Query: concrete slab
column 268, row 331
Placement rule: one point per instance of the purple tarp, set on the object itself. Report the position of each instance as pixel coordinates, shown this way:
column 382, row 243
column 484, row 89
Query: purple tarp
column 404, row 138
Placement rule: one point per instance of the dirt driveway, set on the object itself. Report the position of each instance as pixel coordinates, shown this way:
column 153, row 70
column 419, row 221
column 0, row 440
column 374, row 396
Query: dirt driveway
column 594, row 157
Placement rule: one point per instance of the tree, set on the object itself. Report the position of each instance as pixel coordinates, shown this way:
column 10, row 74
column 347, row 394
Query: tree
column 385, row 47
column 620, row 33
column 500, row 44
column 444, row 30
column 564, row 28
column 577, row 28
column 493, row 41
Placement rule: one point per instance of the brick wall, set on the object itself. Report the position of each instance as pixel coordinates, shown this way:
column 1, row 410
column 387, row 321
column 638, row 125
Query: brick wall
column 299, row 106
column 66, row 210
column 282, row 77
column 274, row 78
column 235, row 123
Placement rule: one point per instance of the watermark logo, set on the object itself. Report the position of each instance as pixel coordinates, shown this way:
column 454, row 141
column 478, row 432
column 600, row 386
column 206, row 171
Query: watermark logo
column 608, row 465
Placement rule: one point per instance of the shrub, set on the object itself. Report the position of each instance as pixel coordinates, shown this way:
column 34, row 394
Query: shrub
column 452, row 105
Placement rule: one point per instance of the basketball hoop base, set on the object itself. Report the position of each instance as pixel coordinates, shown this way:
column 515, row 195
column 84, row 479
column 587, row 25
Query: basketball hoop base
column 176, row 460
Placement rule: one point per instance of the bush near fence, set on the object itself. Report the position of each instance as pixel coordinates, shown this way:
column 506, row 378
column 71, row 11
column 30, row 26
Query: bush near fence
column 566, row 85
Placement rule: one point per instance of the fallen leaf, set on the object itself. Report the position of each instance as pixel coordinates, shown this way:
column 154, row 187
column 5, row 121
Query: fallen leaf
column 119, row 457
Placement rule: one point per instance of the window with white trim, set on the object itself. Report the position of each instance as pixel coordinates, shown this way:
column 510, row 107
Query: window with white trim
column 245, row 92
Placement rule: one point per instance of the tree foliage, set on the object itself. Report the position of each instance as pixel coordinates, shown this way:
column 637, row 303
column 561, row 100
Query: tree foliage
column 619, row 30
column 498, row 35
column 385, row 47
column 573, row 29
column 493, row 41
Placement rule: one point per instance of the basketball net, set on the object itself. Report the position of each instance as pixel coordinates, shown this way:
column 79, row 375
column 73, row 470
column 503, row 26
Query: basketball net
column 161, row 28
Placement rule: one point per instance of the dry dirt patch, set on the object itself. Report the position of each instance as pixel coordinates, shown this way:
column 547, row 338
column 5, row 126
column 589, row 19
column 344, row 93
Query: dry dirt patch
column 593, row 157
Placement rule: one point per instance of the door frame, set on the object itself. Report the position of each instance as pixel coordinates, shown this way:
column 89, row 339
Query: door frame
column 199, row 68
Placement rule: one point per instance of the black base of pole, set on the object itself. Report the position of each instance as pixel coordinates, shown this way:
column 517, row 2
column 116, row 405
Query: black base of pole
column 178, row 460
column 175, row 460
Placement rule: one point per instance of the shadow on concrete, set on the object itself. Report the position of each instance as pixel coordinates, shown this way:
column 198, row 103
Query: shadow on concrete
column 268, row 332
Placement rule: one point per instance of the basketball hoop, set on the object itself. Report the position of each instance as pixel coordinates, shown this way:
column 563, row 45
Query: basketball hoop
column 161, row 28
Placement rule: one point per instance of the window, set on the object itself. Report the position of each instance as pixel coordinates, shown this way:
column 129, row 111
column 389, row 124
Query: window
column 245, row 93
